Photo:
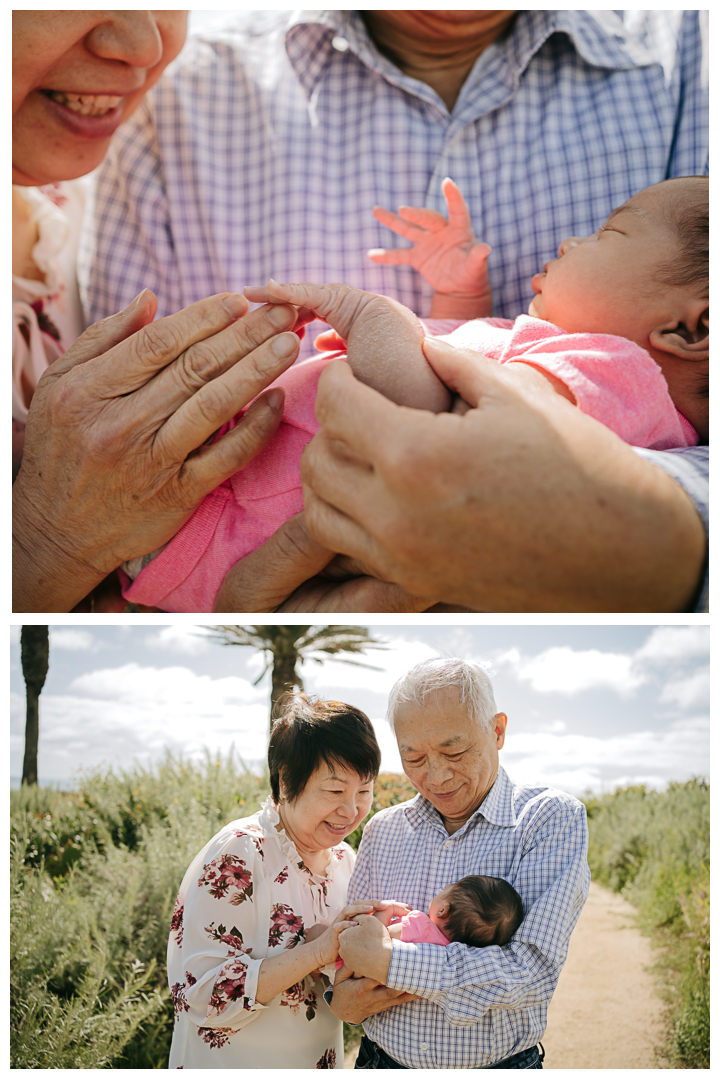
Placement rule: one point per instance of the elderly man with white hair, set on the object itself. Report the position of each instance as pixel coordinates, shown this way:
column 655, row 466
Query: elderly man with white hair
column 425, row 1006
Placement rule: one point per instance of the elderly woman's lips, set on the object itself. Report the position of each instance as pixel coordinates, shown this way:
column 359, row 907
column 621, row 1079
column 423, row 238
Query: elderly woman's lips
column 92, row 122
column 86, row 104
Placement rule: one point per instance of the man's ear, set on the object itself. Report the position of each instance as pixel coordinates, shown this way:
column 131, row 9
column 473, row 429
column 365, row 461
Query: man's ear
column 687, row 338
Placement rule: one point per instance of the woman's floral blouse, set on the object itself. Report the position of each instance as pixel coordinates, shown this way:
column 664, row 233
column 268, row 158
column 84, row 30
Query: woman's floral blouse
column 247, row 896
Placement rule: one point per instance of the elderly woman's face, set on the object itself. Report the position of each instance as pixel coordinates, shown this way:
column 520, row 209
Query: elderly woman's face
column 76, row 76
column 333, row 804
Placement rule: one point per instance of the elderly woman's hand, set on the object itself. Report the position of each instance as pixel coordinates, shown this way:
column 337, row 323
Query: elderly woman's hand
column 116, row 456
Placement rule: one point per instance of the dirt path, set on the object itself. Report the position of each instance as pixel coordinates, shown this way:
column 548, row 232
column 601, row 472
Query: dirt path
column 605, row 1013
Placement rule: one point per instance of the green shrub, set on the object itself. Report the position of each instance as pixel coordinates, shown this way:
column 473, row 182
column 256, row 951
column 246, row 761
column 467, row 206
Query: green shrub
column 654, row 847
column 89, row 929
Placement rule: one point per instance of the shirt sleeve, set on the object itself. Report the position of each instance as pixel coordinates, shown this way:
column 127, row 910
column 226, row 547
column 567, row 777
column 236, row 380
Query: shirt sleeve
column 220, row 925
column 690, row 467
column 465, row 982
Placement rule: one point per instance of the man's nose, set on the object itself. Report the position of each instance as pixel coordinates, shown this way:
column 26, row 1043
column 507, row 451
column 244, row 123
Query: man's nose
column 439, row 772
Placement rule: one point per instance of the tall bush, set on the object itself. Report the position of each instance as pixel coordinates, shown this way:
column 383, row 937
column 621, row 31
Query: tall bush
column 654, row 848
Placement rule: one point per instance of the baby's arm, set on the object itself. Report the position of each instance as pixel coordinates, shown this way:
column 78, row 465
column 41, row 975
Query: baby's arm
column 445, row 252
column 384, row 339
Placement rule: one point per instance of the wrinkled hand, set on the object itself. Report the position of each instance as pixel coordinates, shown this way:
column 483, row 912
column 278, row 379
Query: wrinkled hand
column 445, row 251
column 116, row 453
column 366, row 948
column 282, row 576
column 355, row 999
column 522, row 504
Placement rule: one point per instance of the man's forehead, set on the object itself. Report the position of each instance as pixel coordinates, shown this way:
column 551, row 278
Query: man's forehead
column 408, row 743
column 442, row 718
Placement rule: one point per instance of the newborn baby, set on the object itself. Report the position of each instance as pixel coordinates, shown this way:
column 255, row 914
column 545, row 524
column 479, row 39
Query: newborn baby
column 477, row 911
column 619, row 326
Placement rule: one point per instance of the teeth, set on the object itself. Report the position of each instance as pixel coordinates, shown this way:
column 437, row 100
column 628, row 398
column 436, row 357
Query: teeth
column 86, row 104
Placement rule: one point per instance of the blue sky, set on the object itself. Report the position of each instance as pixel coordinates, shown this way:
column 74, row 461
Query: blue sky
column 589, row 707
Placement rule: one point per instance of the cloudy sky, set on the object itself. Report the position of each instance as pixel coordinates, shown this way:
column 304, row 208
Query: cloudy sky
column 588, row 707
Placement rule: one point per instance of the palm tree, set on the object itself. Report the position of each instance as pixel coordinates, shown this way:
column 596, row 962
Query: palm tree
column 34, row 652
column 286, row 647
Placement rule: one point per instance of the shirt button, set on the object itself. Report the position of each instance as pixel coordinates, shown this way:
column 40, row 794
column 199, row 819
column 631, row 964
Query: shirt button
column 339, row 43
column 423, row 1046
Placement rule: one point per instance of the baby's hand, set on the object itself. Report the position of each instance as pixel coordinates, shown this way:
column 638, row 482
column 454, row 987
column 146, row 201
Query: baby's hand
column 445, row 252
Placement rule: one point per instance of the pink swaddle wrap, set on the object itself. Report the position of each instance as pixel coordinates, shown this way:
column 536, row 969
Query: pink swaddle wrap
column 613, row 380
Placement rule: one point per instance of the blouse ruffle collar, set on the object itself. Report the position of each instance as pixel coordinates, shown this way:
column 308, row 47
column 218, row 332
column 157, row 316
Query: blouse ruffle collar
column 269, row 818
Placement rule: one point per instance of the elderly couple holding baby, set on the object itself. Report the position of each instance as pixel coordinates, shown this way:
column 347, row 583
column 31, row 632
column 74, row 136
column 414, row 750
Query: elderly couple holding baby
column 445, row 937
column 554, row 455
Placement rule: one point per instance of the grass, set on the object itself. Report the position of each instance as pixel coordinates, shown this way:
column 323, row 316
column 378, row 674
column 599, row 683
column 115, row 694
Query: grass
column 654, row 848
column 95, row 873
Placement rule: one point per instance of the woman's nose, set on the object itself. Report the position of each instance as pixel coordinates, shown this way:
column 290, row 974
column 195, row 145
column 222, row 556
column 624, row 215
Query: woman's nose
column 130, row 36
column 348, row 808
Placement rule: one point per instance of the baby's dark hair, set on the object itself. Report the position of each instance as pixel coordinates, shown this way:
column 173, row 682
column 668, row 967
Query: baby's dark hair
column 691, row 220
column 483, row 911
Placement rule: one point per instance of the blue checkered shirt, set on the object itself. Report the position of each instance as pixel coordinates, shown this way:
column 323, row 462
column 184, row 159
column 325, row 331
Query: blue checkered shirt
column 263, row 150
column 482, row 1005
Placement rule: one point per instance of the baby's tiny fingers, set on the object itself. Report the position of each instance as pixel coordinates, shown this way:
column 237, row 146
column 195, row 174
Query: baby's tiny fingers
column 397, row 224
column 428, row 220
column 391, row 257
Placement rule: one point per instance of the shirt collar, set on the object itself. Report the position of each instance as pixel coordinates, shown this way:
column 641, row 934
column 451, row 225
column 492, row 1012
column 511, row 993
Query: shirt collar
column 600, row 37
column 496, row 808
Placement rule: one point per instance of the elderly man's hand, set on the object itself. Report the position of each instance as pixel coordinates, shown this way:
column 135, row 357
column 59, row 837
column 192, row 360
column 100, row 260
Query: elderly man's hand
column 116, row 454
column 282, row 575
column 356, row 999
column 366, row 948
column 522, row 504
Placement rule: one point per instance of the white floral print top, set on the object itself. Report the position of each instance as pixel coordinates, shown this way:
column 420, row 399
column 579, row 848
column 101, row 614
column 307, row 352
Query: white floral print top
column 246, row 896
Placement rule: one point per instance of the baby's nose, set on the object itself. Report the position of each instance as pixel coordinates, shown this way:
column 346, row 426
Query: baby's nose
column 568, row 243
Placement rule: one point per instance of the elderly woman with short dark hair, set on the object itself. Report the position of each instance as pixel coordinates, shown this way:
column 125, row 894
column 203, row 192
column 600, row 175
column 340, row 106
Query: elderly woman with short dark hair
column 241, row 966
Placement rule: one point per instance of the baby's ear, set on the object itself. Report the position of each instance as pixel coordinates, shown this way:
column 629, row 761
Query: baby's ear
column 688, row 339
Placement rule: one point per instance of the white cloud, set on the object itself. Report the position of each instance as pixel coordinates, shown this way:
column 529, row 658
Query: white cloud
column 168, row 686
column 578, row 762
column 190, row 640
column 400, row 657
column 691, row 692
column 675, row 643
column 66, row 637
column 113, row 717
column 563, row 670
column 14, row 635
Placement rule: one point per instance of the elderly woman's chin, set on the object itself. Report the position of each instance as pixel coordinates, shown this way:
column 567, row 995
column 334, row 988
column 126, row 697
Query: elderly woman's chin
column 48, row 148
